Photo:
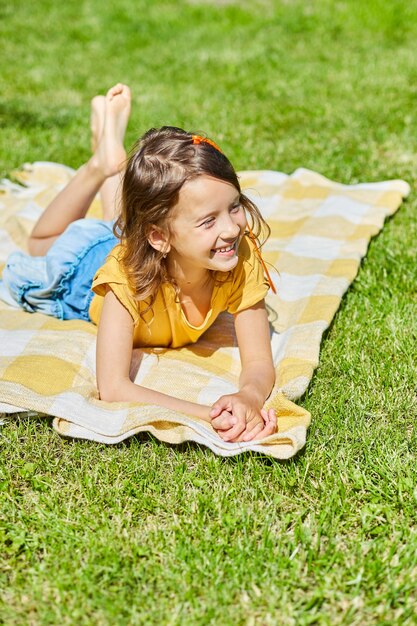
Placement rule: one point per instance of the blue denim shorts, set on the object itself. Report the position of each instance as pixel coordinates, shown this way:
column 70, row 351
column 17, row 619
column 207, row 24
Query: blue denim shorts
column 59, row 283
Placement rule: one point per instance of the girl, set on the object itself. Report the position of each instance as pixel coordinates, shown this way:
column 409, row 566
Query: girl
column 176, row 256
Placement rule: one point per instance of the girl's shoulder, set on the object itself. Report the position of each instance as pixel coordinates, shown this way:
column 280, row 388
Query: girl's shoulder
column 111, row 274
column 112, row 268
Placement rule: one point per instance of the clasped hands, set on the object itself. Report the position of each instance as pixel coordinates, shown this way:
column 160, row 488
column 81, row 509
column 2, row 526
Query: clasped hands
column 237, row 417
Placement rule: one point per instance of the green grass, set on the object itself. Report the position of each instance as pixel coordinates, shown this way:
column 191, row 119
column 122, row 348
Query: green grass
column 145, row 533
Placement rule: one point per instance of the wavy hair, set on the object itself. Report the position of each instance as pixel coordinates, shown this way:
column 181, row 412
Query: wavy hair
column 161, row 162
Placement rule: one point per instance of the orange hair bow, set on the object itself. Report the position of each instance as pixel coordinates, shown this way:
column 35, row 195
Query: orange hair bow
column 259, row 255
column 197, row 139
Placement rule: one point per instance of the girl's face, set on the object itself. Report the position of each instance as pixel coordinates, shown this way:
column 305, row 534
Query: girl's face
column 207, row 225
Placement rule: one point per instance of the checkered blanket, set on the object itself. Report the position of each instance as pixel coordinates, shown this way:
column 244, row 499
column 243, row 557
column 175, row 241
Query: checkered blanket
column 320, row 232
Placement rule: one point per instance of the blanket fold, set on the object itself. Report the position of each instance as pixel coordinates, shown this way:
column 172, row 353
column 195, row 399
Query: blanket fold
column 320, row 233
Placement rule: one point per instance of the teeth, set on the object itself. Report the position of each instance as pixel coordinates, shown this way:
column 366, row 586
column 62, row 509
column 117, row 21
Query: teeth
column 225, row 249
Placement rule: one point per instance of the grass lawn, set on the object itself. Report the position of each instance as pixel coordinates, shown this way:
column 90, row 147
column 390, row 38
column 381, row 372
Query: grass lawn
column 146, row 534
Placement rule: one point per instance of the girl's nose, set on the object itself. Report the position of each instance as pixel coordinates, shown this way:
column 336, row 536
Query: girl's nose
column 229, row 229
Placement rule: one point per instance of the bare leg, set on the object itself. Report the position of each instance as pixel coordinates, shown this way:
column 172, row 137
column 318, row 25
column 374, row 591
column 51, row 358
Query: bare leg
column 74, row 200
column 110, row 194
column 110, row 189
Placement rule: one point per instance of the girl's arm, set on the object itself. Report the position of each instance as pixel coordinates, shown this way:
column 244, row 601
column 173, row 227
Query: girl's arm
column 114, row 353
column 255, row 383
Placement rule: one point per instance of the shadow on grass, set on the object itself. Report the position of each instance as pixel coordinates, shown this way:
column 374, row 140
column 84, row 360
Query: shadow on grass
column 13, row 115
column 193, row 446
column 28, row 419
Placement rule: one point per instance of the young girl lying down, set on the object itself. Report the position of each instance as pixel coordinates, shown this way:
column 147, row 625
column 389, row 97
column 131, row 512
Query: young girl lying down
column 157, row 271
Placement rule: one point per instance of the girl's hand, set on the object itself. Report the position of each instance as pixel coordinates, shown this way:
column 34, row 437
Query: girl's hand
column 236, row 417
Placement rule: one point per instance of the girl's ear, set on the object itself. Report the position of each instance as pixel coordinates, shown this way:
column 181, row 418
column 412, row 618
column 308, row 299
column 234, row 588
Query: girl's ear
column 158, row 239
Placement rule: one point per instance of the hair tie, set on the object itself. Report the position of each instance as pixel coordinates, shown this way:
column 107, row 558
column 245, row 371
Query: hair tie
column 197, row 139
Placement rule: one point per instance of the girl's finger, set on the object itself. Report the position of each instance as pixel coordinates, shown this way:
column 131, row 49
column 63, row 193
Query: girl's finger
column 265, row 415
column 215, row 410
column 238, row 428
column 224, row 421
column 270, row 426
column 222, row 435
column 222, row 404
column 253, row 433
column 250, row 426
column 269, row 415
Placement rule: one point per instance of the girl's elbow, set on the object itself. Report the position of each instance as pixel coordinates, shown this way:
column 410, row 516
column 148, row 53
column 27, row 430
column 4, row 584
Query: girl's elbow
column 108, row 391
column 105, row 396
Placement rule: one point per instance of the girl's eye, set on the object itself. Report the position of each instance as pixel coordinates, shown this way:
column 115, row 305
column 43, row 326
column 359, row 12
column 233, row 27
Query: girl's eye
column 235, row 208
column 208, row 223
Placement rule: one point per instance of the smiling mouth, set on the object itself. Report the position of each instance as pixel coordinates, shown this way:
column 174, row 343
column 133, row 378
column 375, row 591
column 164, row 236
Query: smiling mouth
column 226, row 250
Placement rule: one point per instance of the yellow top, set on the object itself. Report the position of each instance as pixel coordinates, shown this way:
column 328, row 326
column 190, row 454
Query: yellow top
column 166, row 324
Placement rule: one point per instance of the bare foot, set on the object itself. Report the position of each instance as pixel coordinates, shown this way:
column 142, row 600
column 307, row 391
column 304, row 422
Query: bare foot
column 110, row 155
column 98, row 113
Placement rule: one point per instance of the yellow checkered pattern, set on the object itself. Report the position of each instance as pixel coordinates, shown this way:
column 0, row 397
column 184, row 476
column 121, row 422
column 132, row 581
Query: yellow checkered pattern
column 320, row 232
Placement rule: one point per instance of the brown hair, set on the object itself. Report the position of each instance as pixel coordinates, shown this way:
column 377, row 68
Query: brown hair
column 161, row 162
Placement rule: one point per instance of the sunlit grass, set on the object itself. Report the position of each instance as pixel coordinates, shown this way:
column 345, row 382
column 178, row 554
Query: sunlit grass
column 145, row 533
